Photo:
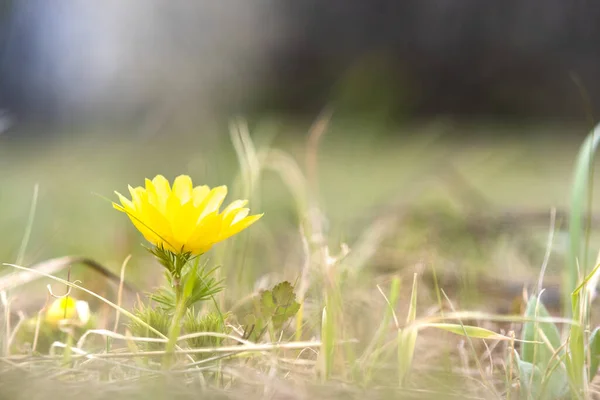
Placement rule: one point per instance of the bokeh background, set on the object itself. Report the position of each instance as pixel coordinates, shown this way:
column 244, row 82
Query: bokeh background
column 64, row 62
column 470, row 110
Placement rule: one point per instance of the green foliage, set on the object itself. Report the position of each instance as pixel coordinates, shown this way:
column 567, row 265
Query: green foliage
column 279, row 304
column 270, row 308
column 157, row 318
column 198, row 284
column 529, row 378
column 373, row 352
column 541, row 371
column 211, row 323
column 534, row 331
column 594, row 352
column 407, row 338
column 161, row 320
column 328, row 331
column 173, row 262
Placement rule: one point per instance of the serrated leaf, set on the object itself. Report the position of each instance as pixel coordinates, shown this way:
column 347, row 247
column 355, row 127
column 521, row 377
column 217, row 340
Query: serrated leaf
column 279, row 304
column 534, row 331
column 594, row 351
column 254, row 327
column 274, row 306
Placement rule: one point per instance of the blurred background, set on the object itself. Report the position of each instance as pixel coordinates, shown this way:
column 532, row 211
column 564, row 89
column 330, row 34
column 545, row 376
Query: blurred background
column 63, row 63
column 473, row 110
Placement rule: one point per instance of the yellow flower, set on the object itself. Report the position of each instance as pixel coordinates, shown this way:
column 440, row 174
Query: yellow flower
column 68, row 308
column 184, row 218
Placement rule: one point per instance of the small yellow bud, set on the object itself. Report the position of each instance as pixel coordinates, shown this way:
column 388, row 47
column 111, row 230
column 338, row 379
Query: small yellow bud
column 68, row 308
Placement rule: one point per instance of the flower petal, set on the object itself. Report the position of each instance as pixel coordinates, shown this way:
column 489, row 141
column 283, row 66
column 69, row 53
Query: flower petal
column 206, row 234
column 237, row 204
column 182, row 188
column 243, row 213
column 235, row 216
column 162, row 187
column 158, row 191
column 153, row 225
column 199, row 194
column 239, row 226
column 125, row 205
column 184, row 220
column 213, row 201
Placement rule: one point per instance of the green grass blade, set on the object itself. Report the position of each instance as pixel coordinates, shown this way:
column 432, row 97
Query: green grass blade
column 407, row 338
column 327, row 345
column 373, row 351
column 580, row 193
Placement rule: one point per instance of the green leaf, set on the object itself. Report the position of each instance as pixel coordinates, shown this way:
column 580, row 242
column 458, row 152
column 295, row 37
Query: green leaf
column 165, row 297
column 533, row 331
column 550, row 378
column 279, row 304
column 275, row 306
column 529, row 385
column 541, row 383
column 594, row 351
column 470, row 331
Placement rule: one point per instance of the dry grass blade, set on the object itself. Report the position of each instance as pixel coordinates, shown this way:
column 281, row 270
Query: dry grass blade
column 53, row 266
column 244, row 348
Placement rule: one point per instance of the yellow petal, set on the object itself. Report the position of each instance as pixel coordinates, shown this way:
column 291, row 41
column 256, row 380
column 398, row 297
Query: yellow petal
column 138, row 196
column 154, row 226
column 235, row 216
column 125, row 201
column 162, row 187
column 172, row 207
column 182, row 188
column 206, row 233
column 239, row 226
column 158, row 192
column 243, row 213
column 126, row 205
column 213, row 201
column 184, row 222
column 199, row 193
column 234, row 206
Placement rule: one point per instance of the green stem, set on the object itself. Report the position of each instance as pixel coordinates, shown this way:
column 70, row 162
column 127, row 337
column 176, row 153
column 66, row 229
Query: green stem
column 175, row 328
column 68, row 352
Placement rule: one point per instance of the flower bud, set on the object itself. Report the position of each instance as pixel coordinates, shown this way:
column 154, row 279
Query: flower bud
column 70, row 309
